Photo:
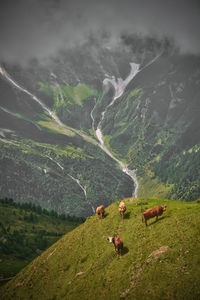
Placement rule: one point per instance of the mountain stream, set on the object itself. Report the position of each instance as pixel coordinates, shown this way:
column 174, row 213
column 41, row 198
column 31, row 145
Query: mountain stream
column 119, row 86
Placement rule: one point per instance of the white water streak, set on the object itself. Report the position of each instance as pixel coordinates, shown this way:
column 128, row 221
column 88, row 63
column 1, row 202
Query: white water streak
column 91, row 114
column 83, row 188
column 51, row 113
column 54, row 117
column 119, row 87
column 120, row 84
column 18, row 116
column 152, row 61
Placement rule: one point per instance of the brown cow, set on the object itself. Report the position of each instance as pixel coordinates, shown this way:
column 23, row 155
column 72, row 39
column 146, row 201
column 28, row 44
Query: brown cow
column 153, row 212
column 118, row 243
column 100, row 211
column 122, row 209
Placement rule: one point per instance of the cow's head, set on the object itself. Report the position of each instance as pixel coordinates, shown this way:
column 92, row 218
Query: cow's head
column 164, row 207
column 110, row 239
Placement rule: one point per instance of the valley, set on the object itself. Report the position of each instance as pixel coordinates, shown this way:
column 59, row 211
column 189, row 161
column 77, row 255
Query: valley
column 99, row 135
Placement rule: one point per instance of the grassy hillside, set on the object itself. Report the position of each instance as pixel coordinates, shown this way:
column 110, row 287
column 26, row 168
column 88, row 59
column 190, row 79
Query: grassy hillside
column 161, row 261
column 26, row 231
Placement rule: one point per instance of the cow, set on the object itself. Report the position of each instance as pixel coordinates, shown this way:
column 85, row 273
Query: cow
column 118, row 243
column 100, row 211
column 153, row 212
column 122, row 209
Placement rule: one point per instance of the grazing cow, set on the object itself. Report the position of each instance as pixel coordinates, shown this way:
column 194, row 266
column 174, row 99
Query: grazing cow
column 153, row 212
column 100, row 211
column 122, row 209
column 118, row 243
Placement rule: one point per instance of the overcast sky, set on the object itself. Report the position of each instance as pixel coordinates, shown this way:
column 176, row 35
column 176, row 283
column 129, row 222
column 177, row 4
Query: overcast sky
column 39, row 28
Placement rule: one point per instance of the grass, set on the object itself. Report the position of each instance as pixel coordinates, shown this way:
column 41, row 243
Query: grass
column 149, row 187
column 83, row 264
column 13, row 259
column 67, row 94
column 53, row 127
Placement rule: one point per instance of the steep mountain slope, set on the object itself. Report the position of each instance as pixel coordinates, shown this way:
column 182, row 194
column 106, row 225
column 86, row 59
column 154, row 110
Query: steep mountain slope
column 155, row 127
column 160, row 261
column 47, row 138
column 51, row 175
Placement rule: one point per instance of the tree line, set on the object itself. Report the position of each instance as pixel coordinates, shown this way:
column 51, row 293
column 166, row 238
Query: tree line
column 28, row 206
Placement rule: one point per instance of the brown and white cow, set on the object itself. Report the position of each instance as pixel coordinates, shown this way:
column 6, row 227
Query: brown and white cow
column 118, row 243
column 122, row 209
column 100, row 211
column 153, row 212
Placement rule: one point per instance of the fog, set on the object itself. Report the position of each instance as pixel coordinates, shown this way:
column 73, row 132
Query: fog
column 39, row 29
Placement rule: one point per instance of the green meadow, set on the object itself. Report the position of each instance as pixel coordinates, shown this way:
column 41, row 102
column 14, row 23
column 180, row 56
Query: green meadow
column 160, row 261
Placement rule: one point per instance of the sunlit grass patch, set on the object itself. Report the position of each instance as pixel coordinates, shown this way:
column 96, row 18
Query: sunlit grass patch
column 54, row 127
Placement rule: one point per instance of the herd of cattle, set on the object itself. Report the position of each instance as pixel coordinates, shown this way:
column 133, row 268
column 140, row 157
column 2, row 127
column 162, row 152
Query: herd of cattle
column 146, row 215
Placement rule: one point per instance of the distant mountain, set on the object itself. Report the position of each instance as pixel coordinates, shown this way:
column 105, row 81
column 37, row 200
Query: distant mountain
column 160, row 261
column 51, row 153
column 155, row 127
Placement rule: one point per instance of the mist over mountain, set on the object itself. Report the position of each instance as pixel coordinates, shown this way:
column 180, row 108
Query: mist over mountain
column 34, row 29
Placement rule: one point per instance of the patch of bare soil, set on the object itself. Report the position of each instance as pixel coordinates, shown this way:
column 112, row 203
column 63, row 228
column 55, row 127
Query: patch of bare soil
column 135, row 277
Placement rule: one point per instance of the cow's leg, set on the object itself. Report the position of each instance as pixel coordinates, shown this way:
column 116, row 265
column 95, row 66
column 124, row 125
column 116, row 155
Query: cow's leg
column 146, row 222
column 156, row 218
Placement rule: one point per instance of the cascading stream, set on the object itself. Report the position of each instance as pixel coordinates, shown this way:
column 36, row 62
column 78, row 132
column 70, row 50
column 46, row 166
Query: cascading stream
column 119, row 86
column 45, row 108
column 55, row 118
column 51, row 113
column 83, row 188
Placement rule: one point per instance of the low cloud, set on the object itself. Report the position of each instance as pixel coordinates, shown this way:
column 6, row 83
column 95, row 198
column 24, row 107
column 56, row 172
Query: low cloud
column 39, row 29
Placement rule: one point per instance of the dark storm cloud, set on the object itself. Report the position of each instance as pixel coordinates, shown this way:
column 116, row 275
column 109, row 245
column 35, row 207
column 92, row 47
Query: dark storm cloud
column 33, row 28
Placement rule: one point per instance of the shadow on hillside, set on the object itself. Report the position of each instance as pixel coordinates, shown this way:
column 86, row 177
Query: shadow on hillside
column 159, row 219
column 127, row 215
column 125, row 251
column 105, row 215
